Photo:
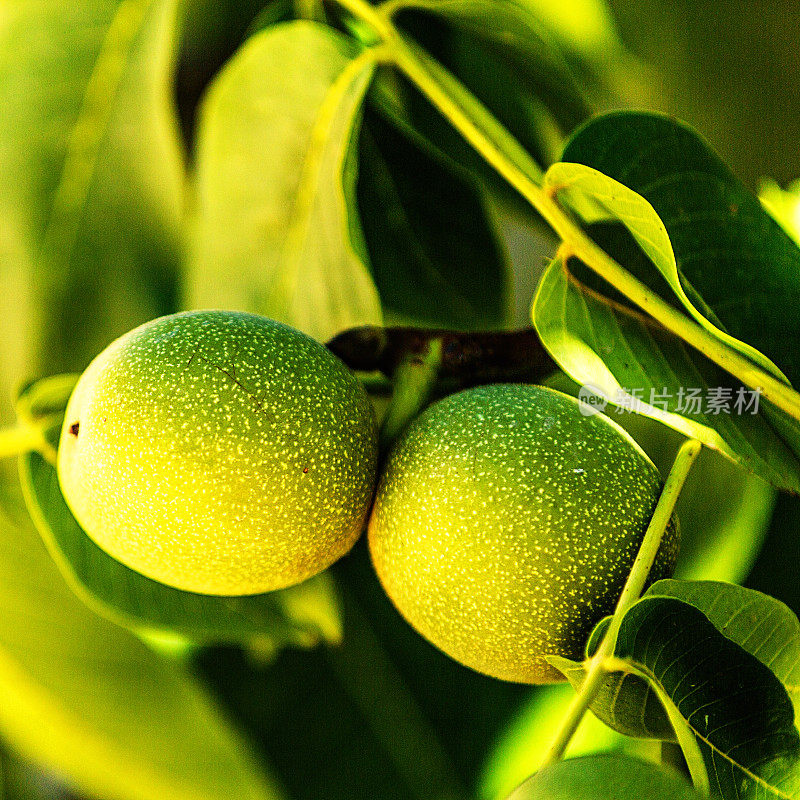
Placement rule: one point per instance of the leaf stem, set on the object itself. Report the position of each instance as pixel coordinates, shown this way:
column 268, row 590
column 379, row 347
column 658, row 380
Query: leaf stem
column 372, row 16
column 414, row 380
column 528, row 183
column 633, row 588
column 24, row 438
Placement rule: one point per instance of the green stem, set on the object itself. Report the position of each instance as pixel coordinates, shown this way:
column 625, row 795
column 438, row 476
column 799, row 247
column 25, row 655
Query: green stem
column 414, row 380
column 374, row 17
column 528, row 181
column 24, row 439
column 633, row 588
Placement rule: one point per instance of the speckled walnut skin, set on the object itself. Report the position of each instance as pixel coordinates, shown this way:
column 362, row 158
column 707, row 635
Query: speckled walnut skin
column 506, row 523
column 219, row 452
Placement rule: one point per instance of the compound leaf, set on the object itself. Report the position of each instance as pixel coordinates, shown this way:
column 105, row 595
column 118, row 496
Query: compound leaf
column 638, row 365
column 730, row 264
column 701, row 241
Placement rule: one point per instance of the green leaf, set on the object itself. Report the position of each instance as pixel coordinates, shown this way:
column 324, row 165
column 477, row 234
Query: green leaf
column 598, row 198
column 434, row 254
column 640, row 366
column 626, row 702
column 729, row 702
column 21, row 780
column 345, row 722
column 525, row 740
column 91, row 172
column 441, row 80
column 703, row 243
column 760, row 624
column 725, row 513
column 725, row 253
column 783, row 205
column 763, row 626
column 275, row 231
column 382, row 716
column 45, row 400
column 601, row 777
column 93, row 703
column 302, row 615
column 583, row 27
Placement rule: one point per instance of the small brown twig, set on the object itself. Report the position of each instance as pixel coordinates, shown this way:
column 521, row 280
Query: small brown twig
column 468, row 358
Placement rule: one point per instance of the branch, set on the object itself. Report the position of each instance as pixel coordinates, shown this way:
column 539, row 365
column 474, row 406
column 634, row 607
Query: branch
column 467, row 358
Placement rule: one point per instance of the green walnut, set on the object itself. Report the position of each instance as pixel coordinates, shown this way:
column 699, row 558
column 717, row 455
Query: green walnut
column 506, row 523
column 219, row 452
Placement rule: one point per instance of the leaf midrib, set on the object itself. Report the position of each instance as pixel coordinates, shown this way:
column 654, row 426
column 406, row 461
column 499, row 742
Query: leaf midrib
column 300, row 217
column 85, row 139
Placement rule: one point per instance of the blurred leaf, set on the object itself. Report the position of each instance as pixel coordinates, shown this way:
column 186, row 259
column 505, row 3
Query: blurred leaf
column 45, row 399
column 18, row 314
column 21, row 780
column 622, row 352
column 339, row 722
column 583, row 27
column 211, row 32
column 601, row 777
column 275, row 231
column 514, row 66
column 725, row 512
column 774, row 570
column 479, row 114
column 302, row 615
column 733, row 705
column 434, row 254
column 784, row 205
column 383, row 716
column 274, row 12
column 524, row 742
column 91, row 702
column 91, row 172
